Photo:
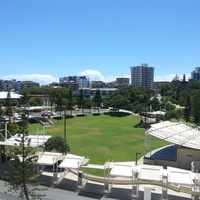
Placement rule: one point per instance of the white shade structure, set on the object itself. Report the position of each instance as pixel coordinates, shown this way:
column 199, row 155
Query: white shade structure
column 177, row 133
column 48, row 158
column 12, row 95
column 122, row 169
column 35, row 140
column 72, row 161
column 180, row 176
column 150, row 173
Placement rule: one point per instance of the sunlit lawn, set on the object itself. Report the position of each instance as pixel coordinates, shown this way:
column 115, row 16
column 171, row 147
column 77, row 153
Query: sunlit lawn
column 102, row 137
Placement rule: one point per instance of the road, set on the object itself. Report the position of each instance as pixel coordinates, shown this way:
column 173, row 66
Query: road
column 53, row 194
column 50, row 194
column 68, row 112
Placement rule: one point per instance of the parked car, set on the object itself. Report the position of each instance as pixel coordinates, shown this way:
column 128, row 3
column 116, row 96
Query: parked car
column 4, row 118
column 16, row 118
column 54, row 114
column 49, row 114
column 45, row 114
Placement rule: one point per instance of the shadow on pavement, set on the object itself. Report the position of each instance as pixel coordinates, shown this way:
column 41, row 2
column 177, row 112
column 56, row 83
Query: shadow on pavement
column 67, row 184
column 120, row 193
column 46, row 180
column 92, row 191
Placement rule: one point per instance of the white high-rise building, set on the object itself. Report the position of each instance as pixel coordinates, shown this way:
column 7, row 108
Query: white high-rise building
column 195, row 75
column 142, row 76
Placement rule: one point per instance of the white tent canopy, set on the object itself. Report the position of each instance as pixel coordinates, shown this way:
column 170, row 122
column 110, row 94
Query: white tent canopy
column 35, row 140
column 49, row 158
column 13, row 95
column 150, row 172
column 179, row 176
column 176, row 133
column 72, row 161
column 122, row 169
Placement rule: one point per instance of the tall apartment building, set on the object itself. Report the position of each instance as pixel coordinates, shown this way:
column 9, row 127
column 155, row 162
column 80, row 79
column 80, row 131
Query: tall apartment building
column 122, row 81
column 195, row 75
column 7, row 85
column 29, row 84
column 142, row 76
column 97, row 84
column 82, row 81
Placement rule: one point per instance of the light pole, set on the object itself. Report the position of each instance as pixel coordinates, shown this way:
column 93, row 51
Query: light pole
column 8, row 104
column 65, row 132
column 137, row 153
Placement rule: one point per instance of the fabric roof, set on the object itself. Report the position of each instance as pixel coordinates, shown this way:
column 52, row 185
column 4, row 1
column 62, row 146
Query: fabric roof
column 122, row 169
column 150, row 172
column 49, row 158
column 13, row 95
column 72, row 161
column 179, row 176
column 35, row 140
column 176, row 133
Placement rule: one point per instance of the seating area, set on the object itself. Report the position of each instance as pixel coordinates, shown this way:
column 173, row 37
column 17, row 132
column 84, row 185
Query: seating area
column 126, row 174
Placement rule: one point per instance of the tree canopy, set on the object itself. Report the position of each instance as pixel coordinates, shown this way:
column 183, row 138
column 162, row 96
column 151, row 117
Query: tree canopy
column 58, row 144
column 23, row 175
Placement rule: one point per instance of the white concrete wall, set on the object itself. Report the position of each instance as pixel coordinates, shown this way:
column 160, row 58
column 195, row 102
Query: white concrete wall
column 186, row 156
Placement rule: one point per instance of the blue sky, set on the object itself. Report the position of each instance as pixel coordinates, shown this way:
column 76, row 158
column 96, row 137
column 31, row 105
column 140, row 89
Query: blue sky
column 43, row 40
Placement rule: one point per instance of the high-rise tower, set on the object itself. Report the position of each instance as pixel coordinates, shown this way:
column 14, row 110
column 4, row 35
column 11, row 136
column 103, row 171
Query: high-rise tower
column 142, row 76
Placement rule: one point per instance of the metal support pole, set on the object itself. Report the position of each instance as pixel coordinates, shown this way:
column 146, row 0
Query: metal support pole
column 65, row 132
column 137, row 153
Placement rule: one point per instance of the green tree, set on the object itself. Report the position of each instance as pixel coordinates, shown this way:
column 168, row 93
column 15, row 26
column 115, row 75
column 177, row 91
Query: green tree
column 154, row 104
column 8, row 105
column 70, row 100
column 187, row 110
column 36, row 101
column 58, row 144
column 23, row 175
column 171, row 114
column 88, row 103
column 97, row 99
column 162, row 91
column 24, row 99
column 59, row 106
column 176, row 78
column 119, row 102
column 196, row 108
column 81, row 100
column 184, row 78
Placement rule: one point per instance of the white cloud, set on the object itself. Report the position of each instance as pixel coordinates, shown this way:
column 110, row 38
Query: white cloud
column 92, row 74
column 95, row 75
column 43, row 79
column 170, row 77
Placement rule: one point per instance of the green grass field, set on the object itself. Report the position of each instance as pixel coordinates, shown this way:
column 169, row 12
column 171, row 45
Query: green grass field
column 102, row 137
